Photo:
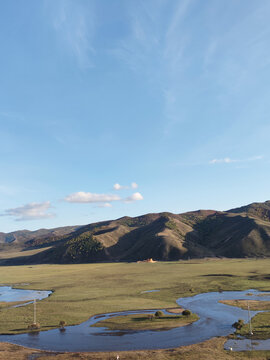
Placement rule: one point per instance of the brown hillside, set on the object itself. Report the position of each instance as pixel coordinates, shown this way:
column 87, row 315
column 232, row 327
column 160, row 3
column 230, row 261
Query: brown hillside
column 240, row 232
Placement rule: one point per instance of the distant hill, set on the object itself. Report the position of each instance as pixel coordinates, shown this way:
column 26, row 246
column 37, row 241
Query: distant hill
column 22, row 236
column 241, row 232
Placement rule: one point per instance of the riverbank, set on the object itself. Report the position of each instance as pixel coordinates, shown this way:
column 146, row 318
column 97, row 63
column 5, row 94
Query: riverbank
column 207, row 350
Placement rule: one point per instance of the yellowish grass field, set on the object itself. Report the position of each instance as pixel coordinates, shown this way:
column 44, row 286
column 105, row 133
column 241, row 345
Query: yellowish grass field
column 80, row 291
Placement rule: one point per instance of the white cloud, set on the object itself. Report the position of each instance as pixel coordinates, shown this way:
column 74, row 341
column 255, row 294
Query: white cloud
column 31, row 211
column 228, row 160
column 121, row 187
column 117, row 186
column 134, row 185
column 134, row 197
column 87, row 197
column 105, row 205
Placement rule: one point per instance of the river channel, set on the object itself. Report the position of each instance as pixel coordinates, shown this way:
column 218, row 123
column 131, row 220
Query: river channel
column 216, row 319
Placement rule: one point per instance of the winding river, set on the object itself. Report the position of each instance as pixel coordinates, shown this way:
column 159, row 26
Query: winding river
column 216, row 319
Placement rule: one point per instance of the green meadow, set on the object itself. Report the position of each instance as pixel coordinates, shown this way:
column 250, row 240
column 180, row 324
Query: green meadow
column 80, row 291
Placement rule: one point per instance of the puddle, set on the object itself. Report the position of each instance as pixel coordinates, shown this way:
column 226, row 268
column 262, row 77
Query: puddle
column 9, row 294
column 247, row 345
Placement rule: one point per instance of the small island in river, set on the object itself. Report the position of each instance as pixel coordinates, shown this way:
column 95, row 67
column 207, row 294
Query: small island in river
column 154, row 321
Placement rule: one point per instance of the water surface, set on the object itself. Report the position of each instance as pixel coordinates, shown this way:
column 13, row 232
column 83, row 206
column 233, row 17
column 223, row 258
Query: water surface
column 216, row 319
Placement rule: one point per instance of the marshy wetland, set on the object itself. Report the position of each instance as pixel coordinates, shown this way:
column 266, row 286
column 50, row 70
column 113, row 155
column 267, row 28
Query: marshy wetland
column 90, row 289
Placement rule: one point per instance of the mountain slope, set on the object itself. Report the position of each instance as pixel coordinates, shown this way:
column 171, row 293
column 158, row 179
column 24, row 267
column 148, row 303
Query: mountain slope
column 241, row 232
column 258, row 210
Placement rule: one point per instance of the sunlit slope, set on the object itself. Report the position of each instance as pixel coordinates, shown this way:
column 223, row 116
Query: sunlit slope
column 242, row 232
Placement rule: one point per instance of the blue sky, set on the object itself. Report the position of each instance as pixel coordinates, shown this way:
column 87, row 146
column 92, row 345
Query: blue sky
column 113, row 108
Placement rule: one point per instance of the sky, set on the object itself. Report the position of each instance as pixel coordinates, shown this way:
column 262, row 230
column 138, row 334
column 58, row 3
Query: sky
column 125, row 107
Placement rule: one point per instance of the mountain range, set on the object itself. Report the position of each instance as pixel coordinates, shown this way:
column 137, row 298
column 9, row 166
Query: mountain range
column 240, row 232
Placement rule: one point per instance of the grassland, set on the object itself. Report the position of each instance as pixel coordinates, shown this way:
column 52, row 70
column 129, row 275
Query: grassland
column 80, row 291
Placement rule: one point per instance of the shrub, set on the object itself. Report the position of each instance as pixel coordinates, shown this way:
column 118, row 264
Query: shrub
column 238, row 324
column 186, row 312
column 62, row 324
column 34, row 326
column 159, row 314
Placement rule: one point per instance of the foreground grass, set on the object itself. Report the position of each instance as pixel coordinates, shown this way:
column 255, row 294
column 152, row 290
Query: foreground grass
column 260, row 327
column 80, row 291
column 208, row 350
column 143, row 322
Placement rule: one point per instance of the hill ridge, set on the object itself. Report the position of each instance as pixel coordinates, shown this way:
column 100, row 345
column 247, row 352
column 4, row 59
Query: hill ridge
column 239, row 232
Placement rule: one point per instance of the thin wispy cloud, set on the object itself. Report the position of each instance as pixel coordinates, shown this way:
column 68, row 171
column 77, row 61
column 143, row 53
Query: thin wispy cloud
column 228, row 160
column 74, row 23
column 31, row 211
column 223, row 161
column 7, row 190
column 166, row 43
column 175, row 40
column 155, row 46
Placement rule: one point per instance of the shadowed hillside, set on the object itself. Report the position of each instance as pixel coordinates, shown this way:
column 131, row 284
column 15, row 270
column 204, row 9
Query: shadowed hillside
column 258, row 210
column 241, row 232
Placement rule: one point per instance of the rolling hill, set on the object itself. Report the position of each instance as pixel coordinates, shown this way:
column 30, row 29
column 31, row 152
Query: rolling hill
column 240, row 232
